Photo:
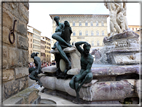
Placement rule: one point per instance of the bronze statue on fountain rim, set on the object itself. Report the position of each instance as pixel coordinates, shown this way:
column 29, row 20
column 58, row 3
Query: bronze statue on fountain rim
column 62, row 35
column 85, row 75
column 33, row 72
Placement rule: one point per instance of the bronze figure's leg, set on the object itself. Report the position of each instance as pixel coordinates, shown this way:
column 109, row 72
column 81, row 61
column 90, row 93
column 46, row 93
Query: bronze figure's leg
column 57, row 36
column 34, row 76
column 63, row 55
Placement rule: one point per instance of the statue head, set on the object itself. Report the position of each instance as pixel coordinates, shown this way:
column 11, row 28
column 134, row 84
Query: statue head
column 86, row 48
column 34, row 54
column 56, row 18
column 66, row 23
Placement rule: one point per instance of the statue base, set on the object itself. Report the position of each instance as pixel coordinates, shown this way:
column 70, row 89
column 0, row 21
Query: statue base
column 123, row 48
column 74, row 57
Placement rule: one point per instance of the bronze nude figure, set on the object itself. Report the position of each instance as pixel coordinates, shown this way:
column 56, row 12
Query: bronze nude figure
column 37, row 70
column 85, row 75
column 62, row 35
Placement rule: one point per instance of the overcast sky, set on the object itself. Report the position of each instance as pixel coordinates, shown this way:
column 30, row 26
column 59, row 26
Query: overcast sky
column 39, row 13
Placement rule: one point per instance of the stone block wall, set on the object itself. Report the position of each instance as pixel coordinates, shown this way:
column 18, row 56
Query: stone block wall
column 14, row 56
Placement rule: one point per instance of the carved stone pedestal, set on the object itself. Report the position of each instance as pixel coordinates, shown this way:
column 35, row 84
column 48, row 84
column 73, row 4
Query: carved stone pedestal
column 123, row 48
column 96, row 91
column 72, row 54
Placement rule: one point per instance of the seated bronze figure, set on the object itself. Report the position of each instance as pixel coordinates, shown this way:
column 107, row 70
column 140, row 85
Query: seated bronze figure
column 85, row 75
column 37, row 70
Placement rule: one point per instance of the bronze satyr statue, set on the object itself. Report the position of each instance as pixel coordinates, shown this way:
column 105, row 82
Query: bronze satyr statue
column 37, row 70
column 62, row 35
column 85, row 75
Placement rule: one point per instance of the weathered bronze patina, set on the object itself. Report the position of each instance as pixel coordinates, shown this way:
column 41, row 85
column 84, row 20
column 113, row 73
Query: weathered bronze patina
column 62, row 35
column 85, row 75
column 37, row 70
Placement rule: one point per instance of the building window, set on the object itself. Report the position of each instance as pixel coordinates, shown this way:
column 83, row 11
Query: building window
column 73, row 33
column 31, row 34
column 36, row 42
column 31, row 45
column 86, row 23
column 31, row 40
column 73, row 23
column 103, row 33
column 92, row 33
column 91, row 23
column 102, row 23
column 31, row 52
column 80, row 33
column 97, row 43
column 80, row 23
column 86, row 33
column 37, row 37
column 97, row 33
column 92, row 43
column 97, row 23
column 35, row 46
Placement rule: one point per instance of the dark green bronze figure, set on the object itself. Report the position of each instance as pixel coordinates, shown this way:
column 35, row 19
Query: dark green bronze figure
column 85, row 75
column 62, row 35
column 37, row 70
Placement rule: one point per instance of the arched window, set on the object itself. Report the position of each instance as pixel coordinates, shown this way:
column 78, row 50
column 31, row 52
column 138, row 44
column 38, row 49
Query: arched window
column 73, row 33
column 86, row 33
column 103, row 33
column 80, row 23
column 86, row 23
column 102, row 23
column 91, row 23
column 97, row 33
column 73, row 23
column 80, row 33
column 97, row 23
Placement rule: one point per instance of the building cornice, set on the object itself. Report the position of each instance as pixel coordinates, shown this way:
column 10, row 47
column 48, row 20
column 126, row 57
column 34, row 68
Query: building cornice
column 79, row 15
column 33, row 28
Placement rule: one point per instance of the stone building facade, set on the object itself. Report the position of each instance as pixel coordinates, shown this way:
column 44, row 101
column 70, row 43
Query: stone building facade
column 35, row 45
column 14, row 56
column 135, row 28
column 86, row 27
column 43, row 42
column 36, row 39
column 30, row 48
column 47, row 49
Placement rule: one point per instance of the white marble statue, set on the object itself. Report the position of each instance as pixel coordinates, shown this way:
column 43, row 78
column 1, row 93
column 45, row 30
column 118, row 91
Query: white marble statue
column 118, row 21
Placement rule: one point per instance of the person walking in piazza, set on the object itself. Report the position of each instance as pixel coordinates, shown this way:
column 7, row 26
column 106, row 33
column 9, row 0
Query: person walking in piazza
column 85, row 75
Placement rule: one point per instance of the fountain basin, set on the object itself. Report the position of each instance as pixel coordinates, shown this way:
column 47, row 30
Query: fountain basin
column 47, row 101
column 98, row 91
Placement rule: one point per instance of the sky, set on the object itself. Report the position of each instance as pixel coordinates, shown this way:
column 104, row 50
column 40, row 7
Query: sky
column 39, row 13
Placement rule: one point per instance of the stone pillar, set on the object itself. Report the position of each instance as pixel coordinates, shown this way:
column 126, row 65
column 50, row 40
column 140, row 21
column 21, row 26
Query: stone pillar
column 15, row 56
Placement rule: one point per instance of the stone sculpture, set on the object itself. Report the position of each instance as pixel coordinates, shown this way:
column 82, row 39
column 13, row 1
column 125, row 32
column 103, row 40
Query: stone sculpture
column 62, row 35
column 118, row 21
column 37, row 70
column 85, row 75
